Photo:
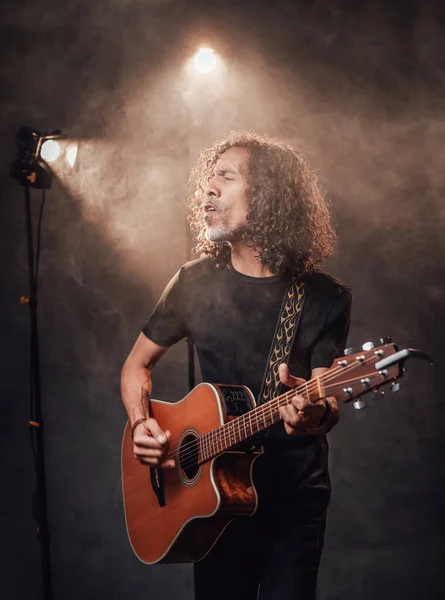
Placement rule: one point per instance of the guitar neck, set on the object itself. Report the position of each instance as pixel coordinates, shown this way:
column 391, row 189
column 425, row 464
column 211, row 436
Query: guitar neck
column 348, row 378
column 246, row 426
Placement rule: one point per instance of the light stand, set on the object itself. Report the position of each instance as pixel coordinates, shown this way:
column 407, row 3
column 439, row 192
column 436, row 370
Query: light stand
column 36, row 421
column 31, row 169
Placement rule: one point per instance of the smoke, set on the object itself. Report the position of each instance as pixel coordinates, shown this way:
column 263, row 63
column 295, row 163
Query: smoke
column 359, row 91
column 361, row 118
column 360, row 101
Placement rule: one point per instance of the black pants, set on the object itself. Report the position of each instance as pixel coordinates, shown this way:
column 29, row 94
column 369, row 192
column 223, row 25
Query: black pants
column 273, row 555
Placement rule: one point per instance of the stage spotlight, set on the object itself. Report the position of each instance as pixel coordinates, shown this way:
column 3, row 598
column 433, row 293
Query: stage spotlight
column 205, row 60
column 50, row 150
column 35, row 151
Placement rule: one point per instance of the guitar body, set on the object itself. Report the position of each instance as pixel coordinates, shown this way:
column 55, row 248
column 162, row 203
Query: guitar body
column 195, row 503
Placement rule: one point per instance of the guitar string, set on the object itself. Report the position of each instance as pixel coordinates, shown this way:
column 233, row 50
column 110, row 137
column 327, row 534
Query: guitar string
column 191, row 453
column 275, row 403
column 282, row 400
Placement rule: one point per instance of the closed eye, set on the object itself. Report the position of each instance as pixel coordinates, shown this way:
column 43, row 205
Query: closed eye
column 226, row 175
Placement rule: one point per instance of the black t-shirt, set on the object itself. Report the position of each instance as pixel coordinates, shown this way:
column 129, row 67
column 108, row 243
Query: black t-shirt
column 232, row 317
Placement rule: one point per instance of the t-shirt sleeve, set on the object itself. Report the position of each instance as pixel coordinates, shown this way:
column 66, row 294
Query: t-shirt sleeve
column 167, row 323
column 332, row 340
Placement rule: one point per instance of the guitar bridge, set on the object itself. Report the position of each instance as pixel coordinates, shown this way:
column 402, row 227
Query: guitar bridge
column 157, row 484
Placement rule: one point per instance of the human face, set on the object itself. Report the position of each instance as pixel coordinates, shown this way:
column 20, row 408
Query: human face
column 227, row 202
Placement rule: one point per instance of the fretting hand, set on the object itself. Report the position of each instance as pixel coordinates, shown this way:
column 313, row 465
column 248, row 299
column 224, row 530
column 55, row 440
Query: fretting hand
column 300, row 415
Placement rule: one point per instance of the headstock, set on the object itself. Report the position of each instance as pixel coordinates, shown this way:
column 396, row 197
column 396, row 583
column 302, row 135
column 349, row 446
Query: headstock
column 358, row 373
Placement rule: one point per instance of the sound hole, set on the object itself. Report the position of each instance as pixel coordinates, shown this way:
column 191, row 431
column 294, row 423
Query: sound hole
column 188, row 456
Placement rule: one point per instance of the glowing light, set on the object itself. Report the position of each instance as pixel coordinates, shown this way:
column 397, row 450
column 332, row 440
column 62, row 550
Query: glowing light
column 71, row 154
column 205, row 60
column 50, row 150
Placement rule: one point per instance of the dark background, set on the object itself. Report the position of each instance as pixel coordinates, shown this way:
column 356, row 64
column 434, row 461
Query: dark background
column 360, row 89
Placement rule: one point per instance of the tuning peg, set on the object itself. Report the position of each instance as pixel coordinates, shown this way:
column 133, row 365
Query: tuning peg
column 349, row 351
column 359, row 404
column 367, row 346
column 386, row 340
column 396, row 387
column 377, row 393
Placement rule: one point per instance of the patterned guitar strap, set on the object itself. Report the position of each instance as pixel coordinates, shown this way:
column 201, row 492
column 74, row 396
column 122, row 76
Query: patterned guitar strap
column 283, row 339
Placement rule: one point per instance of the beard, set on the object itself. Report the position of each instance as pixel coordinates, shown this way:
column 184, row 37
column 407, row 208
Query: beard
column 217, row 234
column 221, row 233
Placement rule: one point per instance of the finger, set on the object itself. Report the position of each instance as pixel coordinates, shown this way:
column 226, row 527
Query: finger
column 284, row 414
column 290, row 415
column 292, row 425
column 168, row 464
column 145, row 440
column 290, row 430
column 151, row 462
column 148, row 453
column 153, row 427
column 300, row 402
column 287, row 379
column 285, row 376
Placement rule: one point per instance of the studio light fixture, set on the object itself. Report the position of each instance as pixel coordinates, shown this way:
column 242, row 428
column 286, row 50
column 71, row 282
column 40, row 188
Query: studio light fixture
column 37, row 151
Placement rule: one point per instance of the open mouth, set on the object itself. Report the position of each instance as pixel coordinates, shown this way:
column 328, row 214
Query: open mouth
column 209, row 208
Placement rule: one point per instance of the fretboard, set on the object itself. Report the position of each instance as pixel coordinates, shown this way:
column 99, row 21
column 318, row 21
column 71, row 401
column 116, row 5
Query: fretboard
column 242, row 428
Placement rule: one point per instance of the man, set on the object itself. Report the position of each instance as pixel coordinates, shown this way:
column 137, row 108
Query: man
column 259, row 216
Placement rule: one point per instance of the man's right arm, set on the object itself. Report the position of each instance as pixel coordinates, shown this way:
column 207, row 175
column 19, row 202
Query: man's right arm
column 150, row 443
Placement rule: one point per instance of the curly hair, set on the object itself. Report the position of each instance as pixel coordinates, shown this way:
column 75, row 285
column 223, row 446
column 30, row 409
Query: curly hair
column 289, row 222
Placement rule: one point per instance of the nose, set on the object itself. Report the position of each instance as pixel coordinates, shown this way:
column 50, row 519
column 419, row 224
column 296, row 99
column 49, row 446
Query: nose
column 213, row 190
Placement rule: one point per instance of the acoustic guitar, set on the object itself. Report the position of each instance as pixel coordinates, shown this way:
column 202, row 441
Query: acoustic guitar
column 176, row 515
